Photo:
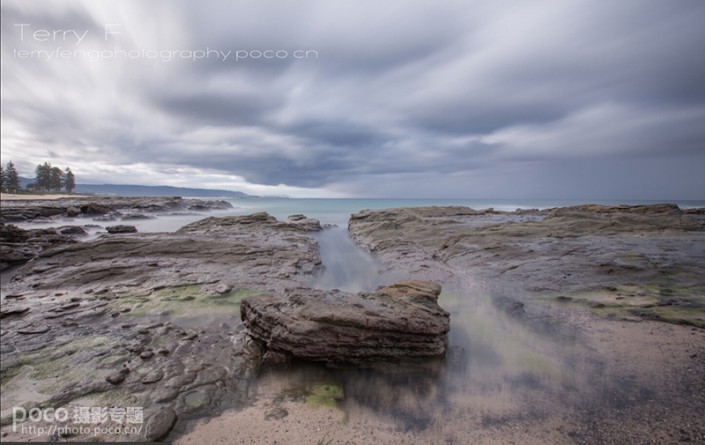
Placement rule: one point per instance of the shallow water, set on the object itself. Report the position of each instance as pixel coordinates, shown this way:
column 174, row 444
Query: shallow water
column 346, row 266
column 503, row 365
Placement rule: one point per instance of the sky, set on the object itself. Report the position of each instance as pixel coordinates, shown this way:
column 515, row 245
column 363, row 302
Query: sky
column 539, row 99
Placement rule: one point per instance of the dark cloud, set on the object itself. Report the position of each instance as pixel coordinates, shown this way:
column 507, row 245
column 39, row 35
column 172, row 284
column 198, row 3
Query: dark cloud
column 450, row 100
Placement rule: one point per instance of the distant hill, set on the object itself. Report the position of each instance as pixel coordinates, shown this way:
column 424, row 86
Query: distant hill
column 154, row 190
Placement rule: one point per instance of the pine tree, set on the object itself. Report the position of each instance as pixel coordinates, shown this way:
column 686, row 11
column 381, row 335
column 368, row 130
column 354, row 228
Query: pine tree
column 56, row 179
column 43, row 176
column 12, row 178
column 70, row 181
column 2, row 179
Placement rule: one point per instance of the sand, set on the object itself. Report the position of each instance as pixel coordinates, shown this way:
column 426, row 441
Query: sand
column 667, row 360
column 48, row 197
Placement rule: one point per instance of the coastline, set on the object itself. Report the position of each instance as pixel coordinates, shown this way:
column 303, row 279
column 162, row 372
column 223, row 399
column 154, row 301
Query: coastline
column 535, row 311
column 38, row 197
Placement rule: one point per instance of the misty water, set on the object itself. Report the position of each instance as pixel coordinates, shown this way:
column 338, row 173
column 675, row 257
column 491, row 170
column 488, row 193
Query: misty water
column 502, row 364
column 346, row 266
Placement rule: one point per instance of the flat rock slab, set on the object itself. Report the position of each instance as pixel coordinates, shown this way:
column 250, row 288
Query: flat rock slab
column 397, row 322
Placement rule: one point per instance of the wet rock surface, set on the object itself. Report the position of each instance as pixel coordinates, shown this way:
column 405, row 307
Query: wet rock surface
column 552, row 252
column 397, row 322
column 603, row 272
column 148, row 318
column 17, row 246
column 113, row 207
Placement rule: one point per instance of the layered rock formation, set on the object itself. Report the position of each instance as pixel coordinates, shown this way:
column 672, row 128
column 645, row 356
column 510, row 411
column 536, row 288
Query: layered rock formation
column 17, row 246
column 397, row 322
column 152, row 317
column 538, row 253
column 103, row 208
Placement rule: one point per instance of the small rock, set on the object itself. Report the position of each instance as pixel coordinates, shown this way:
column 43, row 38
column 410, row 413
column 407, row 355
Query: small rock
column 160, row 424
column 163, row 351
column 73, row 231
column 223, row 289
column 145, row 355
column 153, row 376
column 73, row 211
column 121, row 229
column 275, row 413
column 116, row 378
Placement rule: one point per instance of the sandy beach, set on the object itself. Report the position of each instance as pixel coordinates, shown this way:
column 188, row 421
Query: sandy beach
column 47, row 197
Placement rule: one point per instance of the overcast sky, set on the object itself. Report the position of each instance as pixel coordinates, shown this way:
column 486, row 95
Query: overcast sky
column 562, row 99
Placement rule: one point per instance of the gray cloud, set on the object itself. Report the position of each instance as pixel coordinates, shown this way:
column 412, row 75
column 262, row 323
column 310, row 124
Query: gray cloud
column 457, row 99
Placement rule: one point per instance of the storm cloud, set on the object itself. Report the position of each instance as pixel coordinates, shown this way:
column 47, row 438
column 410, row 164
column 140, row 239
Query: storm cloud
column 468, row 99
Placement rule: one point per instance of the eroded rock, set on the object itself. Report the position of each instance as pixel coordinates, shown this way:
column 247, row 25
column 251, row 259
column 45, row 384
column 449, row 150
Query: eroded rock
column 397, row 322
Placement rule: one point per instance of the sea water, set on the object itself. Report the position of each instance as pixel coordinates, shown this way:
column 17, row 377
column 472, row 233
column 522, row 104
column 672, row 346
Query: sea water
column 337, row 211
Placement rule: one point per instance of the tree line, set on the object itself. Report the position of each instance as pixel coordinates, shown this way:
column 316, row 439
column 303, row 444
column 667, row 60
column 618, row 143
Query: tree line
column 47, row 178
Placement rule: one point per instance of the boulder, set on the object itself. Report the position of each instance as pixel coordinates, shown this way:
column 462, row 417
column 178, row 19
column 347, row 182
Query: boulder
column 398, row 322
column 305, row 223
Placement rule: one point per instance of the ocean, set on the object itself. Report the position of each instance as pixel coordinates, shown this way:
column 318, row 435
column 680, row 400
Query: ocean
column 338, row 211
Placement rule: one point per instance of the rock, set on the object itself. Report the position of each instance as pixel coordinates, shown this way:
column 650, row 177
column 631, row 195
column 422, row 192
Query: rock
column 116, row 378
column 136, row 217
column 307, row 224
column 102, row 208
column 275, row 413
column 94, row 209
column 397, row 322
column 222, row 289
column 73, row 231
column 160, row 424
column 67, row 306
column 6, row 312
column 73, row 211
column 121, row 229
column 18, row 246
column 275, row 361
column 146, row 355
column 163, row 351
column 31, row 329
column 153, row 376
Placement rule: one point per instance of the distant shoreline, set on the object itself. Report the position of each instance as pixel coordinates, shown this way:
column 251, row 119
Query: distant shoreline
column 46, row 197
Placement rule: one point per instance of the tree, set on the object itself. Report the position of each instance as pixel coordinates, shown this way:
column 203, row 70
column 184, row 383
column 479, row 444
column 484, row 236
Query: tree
column 70, row 180
column 2, row 178
column 12, row 178
column 56, row 179
column 43, row 176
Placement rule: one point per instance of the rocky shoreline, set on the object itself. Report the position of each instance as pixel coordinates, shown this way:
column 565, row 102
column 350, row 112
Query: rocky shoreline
column 182, row 323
